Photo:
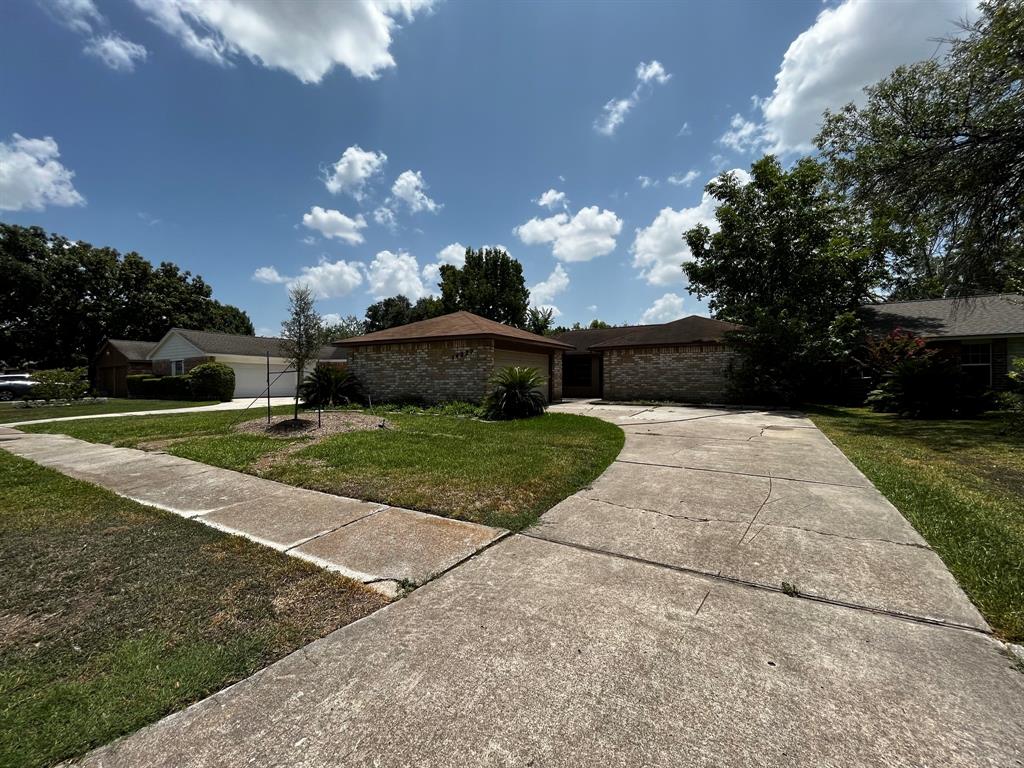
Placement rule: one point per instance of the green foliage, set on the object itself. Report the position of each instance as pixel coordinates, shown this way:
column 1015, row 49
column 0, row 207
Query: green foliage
column 75, row 295
column 302, row 333
column 212, row 381
column 1012, row 401
column 60, row 384
column 595, row 323
column 516, row 394
column 539, row 320
column 790, row 262
column 936, row 154
column 921, row 383
column 329, row 385
column 345, row 328
column 883, row 353
column 134, row 383
column 489, row 284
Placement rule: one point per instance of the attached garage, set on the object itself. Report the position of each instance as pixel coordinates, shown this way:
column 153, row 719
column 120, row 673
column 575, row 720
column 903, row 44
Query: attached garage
column 118, row 359
column 181, row 350
column 452, row 357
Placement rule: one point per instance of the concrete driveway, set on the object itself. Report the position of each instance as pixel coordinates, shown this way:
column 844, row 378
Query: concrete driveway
column 731, row 592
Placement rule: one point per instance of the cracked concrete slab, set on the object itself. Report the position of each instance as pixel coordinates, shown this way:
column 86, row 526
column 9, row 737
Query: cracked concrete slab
column 671, row 490
column 286, row 517
column 538, row 654
column 904, row 579
column 398, row 544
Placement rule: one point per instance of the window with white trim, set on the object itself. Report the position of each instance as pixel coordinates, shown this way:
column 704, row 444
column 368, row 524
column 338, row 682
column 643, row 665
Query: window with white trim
column 177, row 367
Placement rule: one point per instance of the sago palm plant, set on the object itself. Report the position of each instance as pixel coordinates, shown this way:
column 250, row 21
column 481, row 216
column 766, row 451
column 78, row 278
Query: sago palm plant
column 517, row 394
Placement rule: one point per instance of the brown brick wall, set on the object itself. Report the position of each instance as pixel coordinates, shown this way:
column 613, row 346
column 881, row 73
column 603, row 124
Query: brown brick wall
column 693, row 373
column 433, row 371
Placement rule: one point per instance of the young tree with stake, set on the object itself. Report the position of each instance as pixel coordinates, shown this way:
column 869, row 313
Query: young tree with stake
column 302, row 333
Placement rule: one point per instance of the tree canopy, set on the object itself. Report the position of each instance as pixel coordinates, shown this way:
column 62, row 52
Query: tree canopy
column 301, row 334
column 937, row 154
column 489, row 284
column 789, row 259
column 345, row 328
column 61, row 298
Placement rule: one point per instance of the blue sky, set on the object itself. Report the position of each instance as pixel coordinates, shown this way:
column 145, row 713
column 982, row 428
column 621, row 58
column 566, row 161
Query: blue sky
column 351, row 145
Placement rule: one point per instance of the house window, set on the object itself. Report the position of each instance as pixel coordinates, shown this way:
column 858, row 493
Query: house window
column 177, row 367
column 976, row 363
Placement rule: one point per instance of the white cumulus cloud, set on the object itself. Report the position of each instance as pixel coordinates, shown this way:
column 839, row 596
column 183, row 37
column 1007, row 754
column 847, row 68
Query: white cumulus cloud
column 307, row 39
column 410, row 188
column 116, row 52
column 331, row 223
column 614, row 112
column 848, row 47
column 585, row 236
column 83, row 17
column 685, row 179
column 327, row 280
column 354, row 169
column 551, row 199
column 659, row 249
column 544, row 292
column 31, row 176
column 454, row 254
column 665, row 309
column 393, row 273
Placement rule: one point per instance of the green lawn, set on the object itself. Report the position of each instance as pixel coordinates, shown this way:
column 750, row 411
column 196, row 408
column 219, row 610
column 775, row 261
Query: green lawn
column 113, row 614
column 497, row 473
column 961, row 484
column 10, row 413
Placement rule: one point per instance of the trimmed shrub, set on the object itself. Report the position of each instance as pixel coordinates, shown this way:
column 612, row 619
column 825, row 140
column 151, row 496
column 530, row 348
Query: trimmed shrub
column 212, row 381
column 134, row 383
column 148, row 388
column 328, row 385
column 516, row 394
column 1012, row 401
column 60, row 384
column 928, row 386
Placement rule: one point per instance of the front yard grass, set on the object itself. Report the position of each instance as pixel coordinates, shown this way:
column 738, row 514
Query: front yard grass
column 496, row 473
column 113, row 614
column 11, row 413
column 961, row 484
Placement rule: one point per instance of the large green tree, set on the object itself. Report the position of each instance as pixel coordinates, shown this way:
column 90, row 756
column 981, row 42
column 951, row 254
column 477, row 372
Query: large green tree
column 790, row 262
column 937, row 154
column 489, row 284
column 60, row 298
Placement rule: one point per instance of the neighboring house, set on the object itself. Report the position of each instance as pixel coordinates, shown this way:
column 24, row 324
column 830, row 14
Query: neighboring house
column 181, row 350
column 452, row 357
column 116, row 360
column 685, row 360
column 984, row 333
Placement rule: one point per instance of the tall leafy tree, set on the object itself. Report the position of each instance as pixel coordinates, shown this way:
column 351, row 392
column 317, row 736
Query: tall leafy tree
column 489, row 284
column 387, row 313
column 345, row 328
column 302, row 334
column 937, row 155
column 790, row 262
column 60, row 298
column 540, row 320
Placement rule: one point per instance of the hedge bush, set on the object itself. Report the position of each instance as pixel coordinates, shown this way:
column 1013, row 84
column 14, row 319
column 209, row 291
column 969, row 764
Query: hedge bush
column 212, row 381
column 60, row 384
column 134, row 383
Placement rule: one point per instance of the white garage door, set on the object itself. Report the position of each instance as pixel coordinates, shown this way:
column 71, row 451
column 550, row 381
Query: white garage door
column 251, row 380
column 504, row 358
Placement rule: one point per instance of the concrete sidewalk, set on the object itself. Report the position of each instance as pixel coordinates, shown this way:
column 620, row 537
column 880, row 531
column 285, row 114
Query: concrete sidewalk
column 381, row 546
column 732, row 592
column 237, row 404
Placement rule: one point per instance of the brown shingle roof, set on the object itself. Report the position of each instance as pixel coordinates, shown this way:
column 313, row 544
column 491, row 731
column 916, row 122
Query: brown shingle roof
column 457, row 325
column 253, row 346
column 687, row 330
column 996, row 315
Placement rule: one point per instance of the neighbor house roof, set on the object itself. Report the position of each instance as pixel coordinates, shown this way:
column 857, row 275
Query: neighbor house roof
column 133, row 350
column 999, row 314
column 457, row 325
column 245, row 346
column 687, row 330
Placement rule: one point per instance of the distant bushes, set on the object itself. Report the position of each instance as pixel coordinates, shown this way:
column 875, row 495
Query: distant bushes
column 207, row 381
column 60, row 384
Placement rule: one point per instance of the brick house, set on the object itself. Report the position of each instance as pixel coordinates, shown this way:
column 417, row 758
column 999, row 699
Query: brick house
column 181, row 350
column 685, row 360
column 984, row 333
column 116, row 360
column 451, row 357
